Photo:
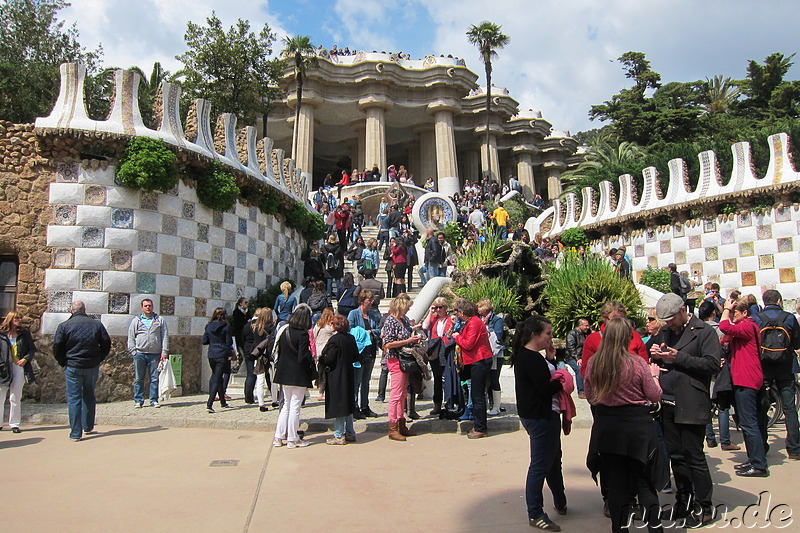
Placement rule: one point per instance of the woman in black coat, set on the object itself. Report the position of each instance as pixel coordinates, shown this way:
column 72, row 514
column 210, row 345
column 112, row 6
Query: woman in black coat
column 219, row 338
column 340, row 402
column 333, row 262
column 294, row 371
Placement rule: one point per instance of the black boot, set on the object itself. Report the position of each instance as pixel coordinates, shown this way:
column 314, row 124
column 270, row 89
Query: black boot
column 411, row 406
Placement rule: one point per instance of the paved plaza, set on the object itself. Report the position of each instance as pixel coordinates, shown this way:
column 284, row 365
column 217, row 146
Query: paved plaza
column 147, row 474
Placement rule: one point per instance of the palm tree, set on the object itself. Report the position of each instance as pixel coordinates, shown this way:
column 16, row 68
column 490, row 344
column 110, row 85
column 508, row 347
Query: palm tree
column 721, row 93
column 488, row 38
column 302, row 50
column 148, row 89
column 604, row 151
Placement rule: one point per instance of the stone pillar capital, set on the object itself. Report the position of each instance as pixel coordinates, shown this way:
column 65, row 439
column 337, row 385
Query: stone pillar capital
column 525, row 149
column 376, row 100
column 495, row 130
column 310, row 98
column 444, row 104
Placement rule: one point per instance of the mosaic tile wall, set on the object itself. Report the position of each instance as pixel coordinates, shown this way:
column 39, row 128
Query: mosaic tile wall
column 114, row 246
column 751, row 253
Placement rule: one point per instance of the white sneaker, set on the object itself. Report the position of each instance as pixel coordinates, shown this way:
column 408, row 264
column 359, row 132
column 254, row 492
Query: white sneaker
column 137, row 405
column 296, row 444
column 277, row 443
column 155, row 404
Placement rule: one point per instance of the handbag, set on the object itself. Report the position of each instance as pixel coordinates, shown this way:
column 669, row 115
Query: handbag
column 408, row 363
column 434, row 345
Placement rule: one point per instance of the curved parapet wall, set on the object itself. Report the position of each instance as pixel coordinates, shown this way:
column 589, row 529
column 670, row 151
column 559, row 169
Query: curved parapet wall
column 632, row 206
column 125, row 118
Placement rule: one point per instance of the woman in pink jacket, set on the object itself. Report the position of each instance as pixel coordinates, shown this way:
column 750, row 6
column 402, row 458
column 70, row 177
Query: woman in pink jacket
column 748, row 384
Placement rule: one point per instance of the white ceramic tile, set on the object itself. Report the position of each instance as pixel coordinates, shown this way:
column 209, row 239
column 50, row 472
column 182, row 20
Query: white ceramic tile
column 57, row 279
column 95, row 302
column 94, row 215
column 766, row 277
column 230, row 222
column 146, row 262
column 170, row 205
column 167, row 285
column 216, row 236
column 184, row 306
column 186, row 267
column 147, row 220
column 216, row 272
column 202, row 251
column 116, row 325
column 187, row 228
column 122, row 197
column 229, row 292
column 122, row 239
column 50, row 322
column 169, row 244
column 202, row 288
column 198, row 326
column 66, row 193
column 92, row 258
column 64, row 236
column 119, row 281
column 97, row 176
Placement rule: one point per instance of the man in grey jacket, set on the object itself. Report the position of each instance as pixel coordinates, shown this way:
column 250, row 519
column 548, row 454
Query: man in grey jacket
column 148, row 341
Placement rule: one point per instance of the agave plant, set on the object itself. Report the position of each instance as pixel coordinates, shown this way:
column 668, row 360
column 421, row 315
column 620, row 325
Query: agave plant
column 500, row 290
column 482, row 253
column 578, row 288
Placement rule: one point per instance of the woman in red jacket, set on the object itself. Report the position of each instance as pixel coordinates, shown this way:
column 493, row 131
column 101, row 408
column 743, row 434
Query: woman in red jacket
column 748, row 382
column 344, row 182
column 476, row 353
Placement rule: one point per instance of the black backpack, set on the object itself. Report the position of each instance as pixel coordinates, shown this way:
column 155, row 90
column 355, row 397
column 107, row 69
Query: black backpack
column 331, row 261
column 776, row 341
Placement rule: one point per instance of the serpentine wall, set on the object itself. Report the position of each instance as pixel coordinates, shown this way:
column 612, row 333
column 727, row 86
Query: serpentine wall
column 751, row 250
column 79, row 235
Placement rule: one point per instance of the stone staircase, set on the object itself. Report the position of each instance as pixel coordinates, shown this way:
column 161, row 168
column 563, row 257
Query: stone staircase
column 236, row 385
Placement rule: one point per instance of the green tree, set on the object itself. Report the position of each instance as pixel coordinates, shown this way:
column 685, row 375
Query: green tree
column 148, row 89
column 33, row 43
column 763, row 80
column 300, row 49
column 232, row 69
column 488, row 38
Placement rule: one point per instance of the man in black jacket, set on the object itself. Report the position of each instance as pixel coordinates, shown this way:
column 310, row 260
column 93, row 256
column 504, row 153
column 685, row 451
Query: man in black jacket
column 80, row 345
column 575, row 340
column 688, row 351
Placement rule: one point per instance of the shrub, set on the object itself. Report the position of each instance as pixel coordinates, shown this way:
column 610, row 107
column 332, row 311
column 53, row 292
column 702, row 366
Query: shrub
column 148, row 164
column 297, row 217
column 500, row 290
column 578, row 288
column 574, row 237
column 216, row 188
column 518, row 211
column 656, row 278
column 316, row 227
column 453, row 234
column 269, row 202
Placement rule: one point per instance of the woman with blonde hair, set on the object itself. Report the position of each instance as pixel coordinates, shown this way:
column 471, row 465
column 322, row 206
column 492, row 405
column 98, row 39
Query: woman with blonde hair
column 321, row 333
column 396, row 334
column 624, row 444
column 22, row 351
column 285, row 303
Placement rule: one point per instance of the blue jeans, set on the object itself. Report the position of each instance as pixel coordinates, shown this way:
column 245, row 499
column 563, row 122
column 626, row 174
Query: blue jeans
column 342, row 425
column 148, row 362
column 383, row 238
column 81, row 402
column 362, row 377
column 573, row 364
column 785, row 385
column 545, row 444
column 250, row 380
column 724, row 419
column 423, row 271
column 503, row 231
column 747, row 402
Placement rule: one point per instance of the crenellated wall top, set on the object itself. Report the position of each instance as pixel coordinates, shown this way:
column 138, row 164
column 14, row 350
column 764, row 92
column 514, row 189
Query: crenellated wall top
column 592, row 213
column 125, row 119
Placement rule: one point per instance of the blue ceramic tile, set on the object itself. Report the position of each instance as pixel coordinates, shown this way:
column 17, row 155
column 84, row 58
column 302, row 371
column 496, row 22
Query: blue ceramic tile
column 188, row 210
column 243, row 226
column 228, row 274
column 251, row 246
column 261, row 264
column 230, row 239
column 251, row 278
column 187, row 248
column 202, row 232
column 241, row 259
column 216, row 254
column 60, row 301
column 68, row 172
column 121, row 218
column 216, row 289
column 93, row 237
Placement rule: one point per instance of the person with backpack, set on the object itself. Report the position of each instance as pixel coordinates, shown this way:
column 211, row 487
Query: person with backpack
column 346, row 299
column 780, row 339
column 333, row 261
column 748, row 383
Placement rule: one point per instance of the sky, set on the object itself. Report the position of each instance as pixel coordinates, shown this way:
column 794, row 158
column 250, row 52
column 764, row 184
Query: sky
column 561, row 58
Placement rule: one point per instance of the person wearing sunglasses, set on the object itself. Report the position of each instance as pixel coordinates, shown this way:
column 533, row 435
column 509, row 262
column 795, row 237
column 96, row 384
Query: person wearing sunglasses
column 437, row 323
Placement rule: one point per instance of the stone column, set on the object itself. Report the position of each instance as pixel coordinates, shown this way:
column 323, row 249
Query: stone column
column 303, row 144
column 525, row 169
column 443, row 110
column 427, row 154
column 553, row 170
column 360, row 159
column 490, row 163
column 375, row 108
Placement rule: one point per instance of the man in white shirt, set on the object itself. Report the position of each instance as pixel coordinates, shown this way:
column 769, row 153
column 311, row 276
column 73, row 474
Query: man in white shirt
column 477, row 219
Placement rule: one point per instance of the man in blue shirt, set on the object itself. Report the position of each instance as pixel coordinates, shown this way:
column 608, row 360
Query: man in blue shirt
column 782, row 374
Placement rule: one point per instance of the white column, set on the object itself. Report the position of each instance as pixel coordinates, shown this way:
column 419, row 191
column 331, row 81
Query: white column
column 446, row 165
column 304, row 156
column 525, row 174
column 375, row 137
column 489, row 160
column 553, row 172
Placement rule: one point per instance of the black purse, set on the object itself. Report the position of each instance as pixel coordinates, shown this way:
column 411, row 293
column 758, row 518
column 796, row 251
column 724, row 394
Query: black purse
column 408, row 363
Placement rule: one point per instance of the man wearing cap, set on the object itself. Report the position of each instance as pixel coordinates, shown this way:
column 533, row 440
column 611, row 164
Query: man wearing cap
column 688, row 351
